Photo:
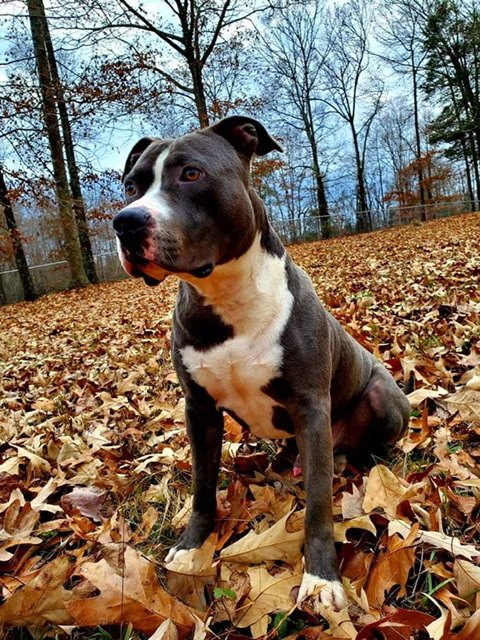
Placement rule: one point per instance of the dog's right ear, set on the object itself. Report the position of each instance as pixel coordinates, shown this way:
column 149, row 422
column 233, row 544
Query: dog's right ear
column 247, row 135
column 135, row 154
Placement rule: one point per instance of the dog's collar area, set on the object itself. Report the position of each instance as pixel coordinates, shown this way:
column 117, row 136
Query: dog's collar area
column 202, row 272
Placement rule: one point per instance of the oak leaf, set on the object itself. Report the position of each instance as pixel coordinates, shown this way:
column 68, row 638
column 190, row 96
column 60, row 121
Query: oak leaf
column 278, row 542
column 44, row 600
column 392, row 567
column 268, row 593
column 133, row 596
column 435, row 539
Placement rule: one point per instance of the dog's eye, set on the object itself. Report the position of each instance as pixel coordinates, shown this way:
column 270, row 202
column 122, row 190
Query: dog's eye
column 190, row 174
column 130, row 189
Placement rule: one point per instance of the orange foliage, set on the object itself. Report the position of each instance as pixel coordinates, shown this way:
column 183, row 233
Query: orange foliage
column 435, row 176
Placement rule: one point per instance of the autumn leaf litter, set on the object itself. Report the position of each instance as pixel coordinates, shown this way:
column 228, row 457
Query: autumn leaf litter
column 95, row 465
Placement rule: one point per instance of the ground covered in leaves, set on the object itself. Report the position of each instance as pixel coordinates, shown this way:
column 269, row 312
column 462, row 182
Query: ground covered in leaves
column 95, row 466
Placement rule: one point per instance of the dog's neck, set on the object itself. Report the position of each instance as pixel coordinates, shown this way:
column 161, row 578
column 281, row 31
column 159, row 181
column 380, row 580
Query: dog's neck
column 248, row 291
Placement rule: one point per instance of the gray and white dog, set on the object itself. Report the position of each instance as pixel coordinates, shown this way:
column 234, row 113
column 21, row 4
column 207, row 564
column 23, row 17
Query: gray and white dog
column 250, row 336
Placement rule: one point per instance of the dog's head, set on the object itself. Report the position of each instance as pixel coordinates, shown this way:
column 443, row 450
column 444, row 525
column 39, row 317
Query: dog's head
column 188, row 203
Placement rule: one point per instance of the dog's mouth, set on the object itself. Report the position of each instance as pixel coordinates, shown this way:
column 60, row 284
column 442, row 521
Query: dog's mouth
column 153, row 274
column 152, row 282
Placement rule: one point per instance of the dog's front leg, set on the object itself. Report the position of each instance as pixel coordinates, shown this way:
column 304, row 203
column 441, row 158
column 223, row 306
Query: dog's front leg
column 314, row 439
column 205, row 430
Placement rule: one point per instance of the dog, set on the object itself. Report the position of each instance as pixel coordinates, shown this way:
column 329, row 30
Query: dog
column 250, row 336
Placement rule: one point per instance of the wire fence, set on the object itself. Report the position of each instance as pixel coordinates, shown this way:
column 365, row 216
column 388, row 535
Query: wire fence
column 309, row 228
column 55, row 275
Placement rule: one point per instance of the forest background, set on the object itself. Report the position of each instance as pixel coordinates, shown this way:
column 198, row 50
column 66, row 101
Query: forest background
column 375, row 103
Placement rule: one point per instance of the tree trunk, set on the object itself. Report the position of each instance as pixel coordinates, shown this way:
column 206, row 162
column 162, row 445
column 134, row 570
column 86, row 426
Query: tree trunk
column 19, row 253
column 3, row 296
column 476, row 172
column 468, row 174
column 323, row 212
column 418, row 145
column 75, row 186
column 199, row 92
column 363, row 217
column 74, row 257
column 322, row 205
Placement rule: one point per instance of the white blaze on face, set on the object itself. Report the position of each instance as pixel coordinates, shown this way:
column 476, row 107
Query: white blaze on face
column 153, row 200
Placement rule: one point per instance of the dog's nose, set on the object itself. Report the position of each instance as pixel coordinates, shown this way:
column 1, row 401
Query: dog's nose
column 128, row 222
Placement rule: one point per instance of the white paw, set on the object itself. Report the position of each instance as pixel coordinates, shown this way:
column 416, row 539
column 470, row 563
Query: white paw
column 175, row 554
column 330, row 593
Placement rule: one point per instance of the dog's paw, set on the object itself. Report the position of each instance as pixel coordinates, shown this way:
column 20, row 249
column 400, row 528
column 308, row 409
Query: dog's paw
column 175, row 554
column 329, row 593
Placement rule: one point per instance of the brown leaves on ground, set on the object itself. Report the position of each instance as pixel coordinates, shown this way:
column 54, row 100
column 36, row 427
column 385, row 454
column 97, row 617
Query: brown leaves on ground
column 95, row 464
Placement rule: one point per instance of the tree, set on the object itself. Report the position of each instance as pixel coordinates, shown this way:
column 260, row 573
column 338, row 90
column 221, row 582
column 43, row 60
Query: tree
column 49, row 110
column 403, row 43
column 67, row 139
column 355, row 97
column 435, row 182
column 452, row 45
column 16, row 240
column 295, row 63
column 180, row 41
column 451, row 127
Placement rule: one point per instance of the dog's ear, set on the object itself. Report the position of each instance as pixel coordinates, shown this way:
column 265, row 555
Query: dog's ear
column 247, row 135
column 135, row 154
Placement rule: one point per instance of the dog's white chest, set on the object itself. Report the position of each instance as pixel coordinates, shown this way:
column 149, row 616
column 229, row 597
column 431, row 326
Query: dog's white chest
column 235, row 371
column 234, row 374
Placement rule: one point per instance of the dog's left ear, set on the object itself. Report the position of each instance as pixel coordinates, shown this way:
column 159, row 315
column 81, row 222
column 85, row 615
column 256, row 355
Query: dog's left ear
column 247, row 135
column 135, row 153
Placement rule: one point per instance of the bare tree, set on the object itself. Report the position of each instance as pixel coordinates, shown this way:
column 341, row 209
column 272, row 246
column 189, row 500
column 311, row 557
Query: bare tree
column 401, row 33
column 349, row 90
column 16, row 240
column 182, row 37
column 294, row 61
column 78, row 203
column 49, row 109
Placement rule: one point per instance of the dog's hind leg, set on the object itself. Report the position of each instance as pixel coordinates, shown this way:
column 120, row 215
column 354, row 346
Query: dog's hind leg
column 378, row 418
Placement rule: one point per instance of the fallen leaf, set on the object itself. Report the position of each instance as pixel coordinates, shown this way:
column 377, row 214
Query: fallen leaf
column 397, row 626
column 44, row 600
column 339, row 622
column 470, row 630
column 420, row 395
column 166, row 631
column 363, row 522
column 188, row 576
column 466, row 402
column 268, row 593
column 383, row 490
column 391, row 568
column 88, row 500
column 467, row 576
column 435, row 539
column 133, row 596
column 275, row 543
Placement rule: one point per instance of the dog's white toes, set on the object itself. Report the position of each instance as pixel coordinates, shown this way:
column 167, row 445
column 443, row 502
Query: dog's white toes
column 333, row 595
column 329, row 593
column 175, row 554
